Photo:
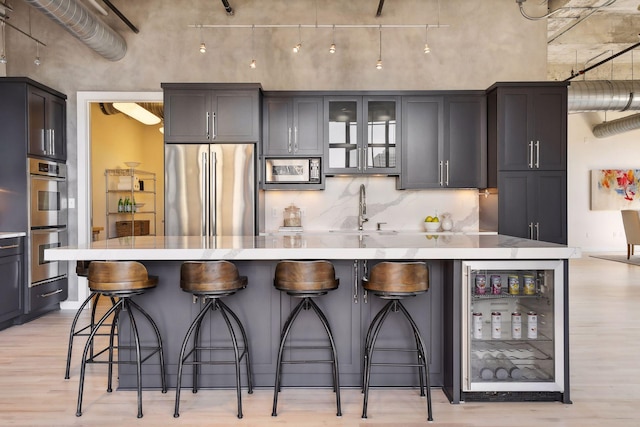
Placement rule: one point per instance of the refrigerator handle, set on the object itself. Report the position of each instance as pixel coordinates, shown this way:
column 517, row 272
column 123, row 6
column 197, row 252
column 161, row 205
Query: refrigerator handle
column 213, row 194
column 204, row 193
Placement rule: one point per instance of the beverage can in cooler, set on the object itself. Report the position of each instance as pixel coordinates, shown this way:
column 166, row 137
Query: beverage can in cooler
column 532, row 325
column 516, row 325
column 496, row 325
column 528, row 285
column 477, row 326
column 496, row 284
column 481, row 284
column 514, row 284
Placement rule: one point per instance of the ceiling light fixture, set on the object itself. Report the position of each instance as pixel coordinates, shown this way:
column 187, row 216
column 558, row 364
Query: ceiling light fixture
column 137, row 112
column 37, row 60
column 332, row 48
column 379, row 63
column 253, row 64
column 203, row 46
column 3, row 58
column 297, row 47
column 427, row 49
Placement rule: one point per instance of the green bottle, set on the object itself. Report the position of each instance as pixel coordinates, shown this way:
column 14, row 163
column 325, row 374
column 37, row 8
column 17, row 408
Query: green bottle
column 120, row 205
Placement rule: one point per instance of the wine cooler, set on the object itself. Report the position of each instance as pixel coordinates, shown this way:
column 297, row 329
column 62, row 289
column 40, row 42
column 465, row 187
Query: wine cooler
column 513, row 330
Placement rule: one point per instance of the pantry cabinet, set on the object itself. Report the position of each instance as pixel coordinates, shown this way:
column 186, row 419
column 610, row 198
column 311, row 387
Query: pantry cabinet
column 12, row 273
column 293, row 126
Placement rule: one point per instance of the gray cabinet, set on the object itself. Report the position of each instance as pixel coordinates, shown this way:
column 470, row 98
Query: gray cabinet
column 13, row 283
column 47, row 124
column 362, row 135
column 199, row 112
column 293, row 126
column 527, row 158
column 535, row 205
column 443, row 141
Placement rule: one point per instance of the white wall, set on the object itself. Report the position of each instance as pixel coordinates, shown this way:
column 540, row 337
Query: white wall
column 596, row 230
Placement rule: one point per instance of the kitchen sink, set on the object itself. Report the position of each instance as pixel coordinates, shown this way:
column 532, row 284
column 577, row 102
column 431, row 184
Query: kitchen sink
column 364, row 232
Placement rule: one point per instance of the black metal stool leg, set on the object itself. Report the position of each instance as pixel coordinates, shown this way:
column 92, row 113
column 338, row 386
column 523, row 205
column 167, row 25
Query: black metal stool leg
column 196, row 354
column 283, row 339
column 246, row 353
column 185, row 342
column 136, row 338
column 159, row 339
column 72, row 332
column 234, row 343
column 116, row 316
column 367, row 341
column 334, row 354
column 83, row 365
column 425, row 360
column 369, row 352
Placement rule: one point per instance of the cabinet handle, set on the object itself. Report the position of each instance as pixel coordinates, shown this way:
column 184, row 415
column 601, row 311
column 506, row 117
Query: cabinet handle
column 364, row 158
column 440, row 173
column 295, row 139
column 207, row 117
column 530, row 154
column 447, row 181
column 214, row 125
column 537, row 226
column 48, row 294
column 52, row 142
column 537, row 154
column 355, row 281
column 42, row 141
column 289, row 142
column 365, row 278
column 358, row 155
column 531, row 230
column 9, row 247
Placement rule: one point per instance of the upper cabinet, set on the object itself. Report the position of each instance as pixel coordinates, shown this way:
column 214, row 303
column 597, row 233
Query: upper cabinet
column 200, row 112
column 34, row 118
column 528, row 126
column 443, row 141
column 293, row 126
column 362, row 135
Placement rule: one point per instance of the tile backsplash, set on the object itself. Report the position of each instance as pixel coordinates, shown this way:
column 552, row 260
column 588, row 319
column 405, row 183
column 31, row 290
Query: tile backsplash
column 336, row 207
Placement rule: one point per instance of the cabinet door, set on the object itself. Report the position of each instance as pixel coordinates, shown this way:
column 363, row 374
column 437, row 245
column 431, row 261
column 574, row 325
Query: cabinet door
column 465, row 150
column 236, row 116
column 12, row 286
column 278, row 123
column 37, row 115
column 187, row 116
column 307, row 126
column 550, row 129
column 515, row 145
column 343, row 151
column 550, row 190
column 422, row 137
column 381, row 145
column 57, row 125
column 514, row 204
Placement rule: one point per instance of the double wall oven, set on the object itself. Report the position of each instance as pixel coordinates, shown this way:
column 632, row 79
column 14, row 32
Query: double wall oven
column 47, row 229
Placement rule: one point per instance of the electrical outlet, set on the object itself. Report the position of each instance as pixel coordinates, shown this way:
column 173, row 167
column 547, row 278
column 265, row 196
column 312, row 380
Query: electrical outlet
column 303, row 212
column 274, row 212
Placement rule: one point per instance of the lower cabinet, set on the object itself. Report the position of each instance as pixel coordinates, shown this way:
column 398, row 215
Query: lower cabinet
column 46, row 297
column 12, row 284
column 532, row 205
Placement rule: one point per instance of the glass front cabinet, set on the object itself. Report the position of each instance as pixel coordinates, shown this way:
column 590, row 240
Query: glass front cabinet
column 363, row 135
column 513, row 330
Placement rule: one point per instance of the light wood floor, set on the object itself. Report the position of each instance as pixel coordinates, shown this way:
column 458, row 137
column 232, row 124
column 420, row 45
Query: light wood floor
column 605, row 376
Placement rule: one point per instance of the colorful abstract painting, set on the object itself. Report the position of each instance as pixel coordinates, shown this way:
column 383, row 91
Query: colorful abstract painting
column 615, row 189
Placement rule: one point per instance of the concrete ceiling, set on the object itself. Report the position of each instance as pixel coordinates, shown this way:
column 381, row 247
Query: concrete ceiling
column 589, row 31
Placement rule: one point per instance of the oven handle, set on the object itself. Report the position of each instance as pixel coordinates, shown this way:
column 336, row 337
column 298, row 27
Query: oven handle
column 47, row 177
column 45, row 281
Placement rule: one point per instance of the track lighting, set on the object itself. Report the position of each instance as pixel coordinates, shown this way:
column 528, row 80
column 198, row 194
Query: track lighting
column 253, row 64
column 379, row 63
column 37, row 60
column 332, row 48
column 297, row 47
column 203, row 47
column 427, row 49
column 3, row 58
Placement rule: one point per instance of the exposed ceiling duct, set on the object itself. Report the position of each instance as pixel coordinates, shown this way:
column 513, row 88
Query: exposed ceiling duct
column 84, row 25
column 156, row 108
column 606, row 95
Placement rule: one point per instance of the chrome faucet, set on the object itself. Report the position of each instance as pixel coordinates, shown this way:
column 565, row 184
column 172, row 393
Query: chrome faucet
column 362, row 207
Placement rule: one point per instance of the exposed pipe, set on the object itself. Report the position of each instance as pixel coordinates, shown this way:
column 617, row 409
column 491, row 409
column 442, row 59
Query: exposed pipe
column 121, row 16
column 380, row 6
column 227, row 8
column 623, row 51
column 602, row 95
column 84, row 25
column 614, row 127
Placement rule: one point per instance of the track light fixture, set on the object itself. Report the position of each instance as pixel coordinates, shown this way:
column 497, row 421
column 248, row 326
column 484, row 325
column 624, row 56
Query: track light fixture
column 379, row 63
column 332, row 48
column 253, row 64
column 297, row 47
column 203, row 46
column 37, row 60
column 3, row 58
column 427, row 49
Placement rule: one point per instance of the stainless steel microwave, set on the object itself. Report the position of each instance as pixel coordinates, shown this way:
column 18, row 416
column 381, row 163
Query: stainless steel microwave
column 292, row 170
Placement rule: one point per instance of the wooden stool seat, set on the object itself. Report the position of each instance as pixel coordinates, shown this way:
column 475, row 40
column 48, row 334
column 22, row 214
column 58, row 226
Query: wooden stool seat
column 305, row 277
column 120, row 276
column 398, row 279
column 211, row 278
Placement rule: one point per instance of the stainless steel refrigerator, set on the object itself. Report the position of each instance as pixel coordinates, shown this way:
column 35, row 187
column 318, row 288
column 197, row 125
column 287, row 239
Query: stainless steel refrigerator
column 210, row 190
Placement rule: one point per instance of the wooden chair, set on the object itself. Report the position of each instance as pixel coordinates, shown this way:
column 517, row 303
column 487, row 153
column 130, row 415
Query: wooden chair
column 631, row 222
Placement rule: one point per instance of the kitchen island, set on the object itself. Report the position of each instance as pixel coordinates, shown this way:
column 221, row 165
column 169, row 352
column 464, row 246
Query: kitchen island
column 262, row 309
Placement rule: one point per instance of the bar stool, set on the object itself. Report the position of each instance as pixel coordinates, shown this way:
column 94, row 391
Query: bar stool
column 122, row 280
column 82, row 269
column 395, row 281
column 305, row 280
column 212, row 280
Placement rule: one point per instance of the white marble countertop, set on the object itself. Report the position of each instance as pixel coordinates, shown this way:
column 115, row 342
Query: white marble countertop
column 347, row 245
column 10, row 234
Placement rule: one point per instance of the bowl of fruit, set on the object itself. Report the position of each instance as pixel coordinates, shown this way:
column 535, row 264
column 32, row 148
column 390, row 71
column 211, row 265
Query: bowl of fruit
column 432, row 223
